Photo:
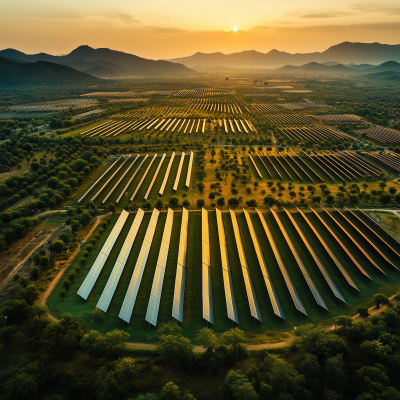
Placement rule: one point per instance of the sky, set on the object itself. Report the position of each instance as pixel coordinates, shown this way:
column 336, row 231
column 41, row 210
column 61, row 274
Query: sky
column 175, row 28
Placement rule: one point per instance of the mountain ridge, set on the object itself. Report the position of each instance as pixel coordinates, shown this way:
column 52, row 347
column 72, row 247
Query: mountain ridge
column 342, row 53
column 134, row 65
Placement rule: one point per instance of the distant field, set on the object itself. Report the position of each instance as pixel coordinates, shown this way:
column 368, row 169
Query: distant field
column 139, row 328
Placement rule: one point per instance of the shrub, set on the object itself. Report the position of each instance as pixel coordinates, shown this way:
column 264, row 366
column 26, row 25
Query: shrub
column 63, row 293
column 83, row 261
column 363, row 311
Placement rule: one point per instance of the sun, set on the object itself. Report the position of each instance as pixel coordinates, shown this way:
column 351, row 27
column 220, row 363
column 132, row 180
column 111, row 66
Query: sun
column 235, row 29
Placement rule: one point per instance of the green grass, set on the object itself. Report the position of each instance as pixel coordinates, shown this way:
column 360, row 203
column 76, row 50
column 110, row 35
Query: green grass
column 193, row 321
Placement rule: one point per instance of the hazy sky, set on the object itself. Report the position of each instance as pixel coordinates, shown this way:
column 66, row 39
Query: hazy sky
column 166, row 29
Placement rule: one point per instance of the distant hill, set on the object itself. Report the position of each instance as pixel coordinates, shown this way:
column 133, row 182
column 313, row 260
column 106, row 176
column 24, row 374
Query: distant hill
column 342, row 53
column 82, row 65
column 133, row 65
column 386, row 66
column 316, row 67
column 41, row 73
column 102, row 72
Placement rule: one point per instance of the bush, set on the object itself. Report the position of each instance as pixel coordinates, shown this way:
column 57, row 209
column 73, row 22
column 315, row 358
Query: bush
column 63, row 293
column 363, row 311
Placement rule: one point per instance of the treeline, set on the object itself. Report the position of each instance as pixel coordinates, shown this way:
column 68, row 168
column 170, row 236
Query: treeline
column 357, row 360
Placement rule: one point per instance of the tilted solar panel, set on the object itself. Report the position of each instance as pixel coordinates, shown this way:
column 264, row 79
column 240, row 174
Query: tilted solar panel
column 189, row 173
column 250, row 291
column 133, row 289
column 208, row 307
column 156, row 289
column 161, row 192
column 111, row 286
column 179, row 291
column 101, row 259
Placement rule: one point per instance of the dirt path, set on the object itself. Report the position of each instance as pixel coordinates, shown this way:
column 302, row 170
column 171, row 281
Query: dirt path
column 46, row 294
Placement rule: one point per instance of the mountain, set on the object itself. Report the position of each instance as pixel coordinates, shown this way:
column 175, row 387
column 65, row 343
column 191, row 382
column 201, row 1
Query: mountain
column 102, row 72
column 316, row 67
column 342, row 53
column 381, row 74
column 41, row 73
column 134, row 65
column 82, row 65
column 386, row 66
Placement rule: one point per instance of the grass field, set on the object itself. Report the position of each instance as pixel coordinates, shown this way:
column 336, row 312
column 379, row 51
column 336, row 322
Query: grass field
column 271, row 328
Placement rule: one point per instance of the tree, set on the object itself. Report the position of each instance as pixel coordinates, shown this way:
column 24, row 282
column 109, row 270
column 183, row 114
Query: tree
column 57, row 246
column 378, row 351
column 98, row 314
column 30, row 294
column 21, row 386
column 159, row 204
column 175, row 350
column 93, row 344
column 200, row 186
column 115, row 343
column 233, row 337
column 111, row 208
column 269, row 200
column 173, row 201
column 233, row 202
column 239, row 386
column 335, row 374
column 200, row 203
column 85, row 218
column 38, row 311
column 206, row 337
column 385, row 198
column 363, row 311
column 251, row 203
column 221, row 202
column 168, row 328
column 186, row 203
column 53, row 182
column 343, row 321
column 379, row 299
column 313, row 373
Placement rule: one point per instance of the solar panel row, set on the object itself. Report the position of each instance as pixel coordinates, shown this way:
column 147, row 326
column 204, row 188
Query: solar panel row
column 161, row 192
column 292, row 290
column 143, row 177
column 101, row 259
column 251, row 293
column 111, row 286
column 317, row 261
column 255, row 166
column 179, row 291
column 303, row 269
column 226, row 271
column 154, row 177
column 98, row 180
column 133, row 289
column 178, row 174
column 131, row 179
column 158, row 280
column 207, row 295
column 276, row 305
column 189, row 173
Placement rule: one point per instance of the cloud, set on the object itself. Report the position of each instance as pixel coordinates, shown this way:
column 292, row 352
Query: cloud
column 126, row 18
column 376, row 8
column 160, row 29
column 324, row 15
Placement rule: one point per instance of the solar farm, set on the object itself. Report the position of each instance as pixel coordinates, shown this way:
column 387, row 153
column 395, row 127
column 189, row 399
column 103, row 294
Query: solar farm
column 256, row 265
column 258, row 269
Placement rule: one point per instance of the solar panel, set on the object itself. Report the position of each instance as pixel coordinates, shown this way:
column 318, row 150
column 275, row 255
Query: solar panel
column 179, row 291
column 189, row 173
column 161, row 192
column 131, row 179
column 119, row 180
column 255, row 166
column 101, row 258
column 342, row 245
column 365, row 237
column 292, row 290
column 143, row 177
column 111, row 286
column 321, row 266
column 98, row 180
column 178, row 174
column 133, row 288
column 156, row 289
column 208, row 310
column 329, row 251
column 303, row 269
column 251, row 293
column 154, row 177
column 355, row 242
column 226, row 271
column 276, row 305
